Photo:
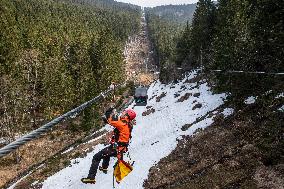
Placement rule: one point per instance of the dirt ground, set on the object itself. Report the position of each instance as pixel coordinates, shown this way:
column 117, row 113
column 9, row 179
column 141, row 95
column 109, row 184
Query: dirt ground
column 242, row 151
column 35, row 152
column 140, row 65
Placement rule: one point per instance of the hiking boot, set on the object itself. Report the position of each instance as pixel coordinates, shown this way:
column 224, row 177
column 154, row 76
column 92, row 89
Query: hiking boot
column 88, row 180
column 103, row 169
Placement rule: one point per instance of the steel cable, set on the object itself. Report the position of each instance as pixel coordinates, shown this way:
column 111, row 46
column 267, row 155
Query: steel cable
column 34, row 134
column 249, row 72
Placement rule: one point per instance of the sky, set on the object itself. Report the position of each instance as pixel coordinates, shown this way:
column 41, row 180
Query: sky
column 153, row 3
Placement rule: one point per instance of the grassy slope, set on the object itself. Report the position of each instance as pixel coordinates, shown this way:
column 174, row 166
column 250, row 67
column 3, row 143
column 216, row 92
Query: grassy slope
column 244, row 150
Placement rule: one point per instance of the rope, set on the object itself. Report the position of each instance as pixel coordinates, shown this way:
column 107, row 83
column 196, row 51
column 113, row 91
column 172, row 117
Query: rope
column 131, row 162
column 113, row 186
column 34, row 134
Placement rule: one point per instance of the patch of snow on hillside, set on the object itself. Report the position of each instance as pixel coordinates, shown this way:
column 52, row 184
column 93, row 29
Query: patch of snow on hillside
column 227, row 112
column 250, row 100
column 154, row 136
column 68, row 150
column 200, row 125
column 281, row 109
column 280, row 95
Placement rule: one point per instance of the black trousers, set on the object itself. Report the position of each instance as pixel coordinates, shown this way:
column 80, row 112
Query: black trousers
column 104, row 154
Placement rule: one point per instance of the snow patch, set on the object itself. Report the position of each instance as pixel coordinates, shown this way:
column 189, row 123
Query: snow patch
column 268, row 92
column 227, row 112
column 200, row 125
column 34, row 183
column 93, row 140
column 68, row 150
column 280, row 95
column 43, row 164
column 250, row 100
column 281, row 109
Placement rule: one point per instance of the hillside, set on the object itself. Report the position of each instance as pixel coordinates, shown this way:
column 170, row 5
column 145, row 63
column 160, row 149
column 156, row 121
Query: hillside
column 203, row 142
column 169, row 108
column 175, row 13
column 241, row 149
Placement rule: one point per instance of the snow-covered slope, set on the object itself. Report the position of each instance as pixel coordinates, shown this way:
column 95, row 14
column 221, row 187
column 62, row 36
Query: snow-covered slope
column 154, row 136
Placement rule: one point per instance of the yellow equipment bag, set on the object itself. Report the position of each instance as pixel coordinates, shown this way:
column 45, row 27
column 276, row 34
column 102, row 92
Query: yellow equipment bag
column 121, row 170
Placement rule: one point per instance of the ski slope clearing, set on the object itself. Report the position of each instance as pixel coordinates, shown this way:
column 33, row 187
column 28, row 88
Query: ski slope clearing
column 154, row 137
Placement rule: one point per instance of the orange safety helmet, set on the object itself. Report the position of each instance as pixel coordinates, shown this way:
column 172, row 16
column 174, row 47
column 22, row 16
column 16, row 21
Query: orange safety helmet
column 130, row 113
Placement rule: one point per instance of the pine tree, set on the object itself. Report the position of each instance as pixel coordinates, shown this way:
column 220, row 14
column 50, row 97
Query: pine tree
column 265, row 27
column 202, row 31
column 183, row 46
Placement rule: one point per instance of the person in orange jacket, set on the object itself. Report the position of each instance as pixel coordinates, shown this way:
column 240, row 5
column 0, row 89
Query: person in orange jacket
column 118, row 144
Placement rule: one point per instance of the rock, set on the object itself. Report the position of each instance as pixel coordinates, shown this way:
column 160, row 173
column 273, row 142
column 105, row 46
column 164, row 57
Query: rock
column 152, row 97
column 148, row 107
column 176, row 95
column 197, row 106
column 158, row 98
column 186, row 126
column 185, row 97
column 149, row 111
column 196, row 94
column 183, row 87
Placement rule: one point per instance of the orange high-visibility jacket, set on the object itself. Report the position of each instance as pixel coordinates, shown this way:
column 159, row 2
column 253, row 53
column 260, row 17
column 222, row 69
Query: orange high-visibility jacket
column 124, row 130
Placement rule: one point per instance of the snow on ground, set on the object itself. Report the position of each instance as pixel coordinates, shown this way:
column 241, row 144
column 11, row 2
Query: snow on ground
column 250, row 100
column 153, row 138
column 228, row 111
column 68, row 150
column 93, row 140
column 281, row 109
column 280, row 95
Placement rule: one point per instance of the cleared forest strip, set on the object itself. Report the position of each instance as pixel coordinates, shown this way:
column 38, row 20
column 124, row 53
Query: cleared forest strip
column 140, row 65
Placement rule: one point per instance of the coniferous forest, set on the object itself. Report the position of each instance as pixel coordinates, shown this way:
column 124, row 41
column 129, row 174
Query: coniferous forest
column 56, row 54
column 230, row 35
column 237, row 47
column 164, row 31
column 175, row 13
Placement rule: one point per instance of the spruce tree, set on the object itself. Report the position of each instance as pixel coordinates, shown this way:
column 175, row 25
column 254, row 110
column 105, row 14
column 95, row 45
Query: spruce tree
column 202, row 31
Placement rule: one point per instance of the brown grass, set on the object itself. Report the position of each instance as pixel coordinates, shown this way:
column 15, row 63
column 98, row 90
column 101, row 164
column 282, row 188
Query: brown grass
column 35, row 152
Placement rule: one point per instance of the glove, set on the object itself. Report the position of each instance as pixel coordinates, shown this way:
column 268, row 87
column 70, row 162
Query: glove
column 108, row 113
